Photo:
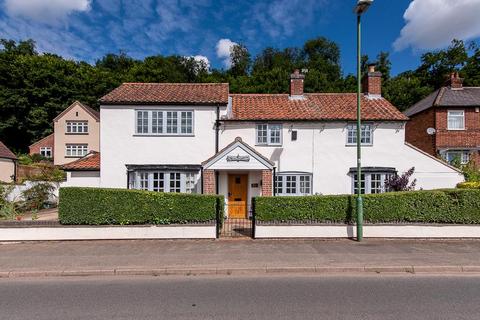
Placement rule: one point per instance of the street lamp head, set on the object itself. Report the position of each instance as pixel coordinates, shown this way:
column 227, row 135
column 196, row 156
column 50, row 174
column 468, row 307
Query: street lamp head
column 362, row 6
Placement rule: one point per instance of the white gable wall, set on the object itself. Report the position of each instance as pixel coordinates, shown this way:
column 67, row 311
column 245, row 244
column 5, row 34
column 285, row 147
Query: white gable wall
column 120, row 145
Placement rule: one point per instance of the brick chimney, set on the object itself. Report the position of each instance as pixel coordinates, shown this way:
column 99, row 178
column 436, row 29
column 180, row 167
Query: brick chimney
column 455, row 81
column 296, row 84
column 372, row 82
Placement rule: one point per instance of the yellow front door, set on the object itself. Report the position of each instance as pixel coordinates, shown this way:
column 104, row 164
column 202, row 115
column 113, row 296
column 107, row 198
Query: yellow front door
column 237, row 196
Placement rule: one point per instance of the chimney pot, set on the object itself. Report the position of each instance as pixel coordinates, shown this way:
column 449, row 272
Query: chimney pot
column 371, row 67
column 455, row 81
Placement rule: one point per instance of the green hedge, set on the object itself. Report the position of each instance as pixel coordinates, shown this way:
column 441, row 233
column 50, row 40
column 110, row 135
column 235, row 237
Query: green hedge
column 100, row 206
column 436, row 206
column 469, row 185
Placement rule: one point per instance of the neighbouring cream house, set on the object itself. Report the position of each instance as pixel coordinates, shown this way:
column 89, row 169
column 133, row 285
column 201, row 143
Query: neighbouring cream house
column 199, row 138
column 76, row 132
column 8, row 164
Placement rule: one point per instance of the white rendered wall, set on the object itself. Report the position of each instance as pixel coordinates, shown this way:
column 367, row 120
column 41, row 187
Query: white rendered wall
column 321, row 149
column 120, row 145
column 82, row 179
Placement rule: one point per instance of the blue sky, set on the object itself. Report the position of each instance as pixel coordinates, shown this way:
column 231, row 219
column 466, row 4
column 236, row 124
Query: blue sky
column 87, row 29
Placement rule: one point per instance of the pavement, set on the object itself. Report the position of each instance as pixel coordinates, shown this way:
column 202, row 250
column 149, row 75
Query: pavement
column 43, row 215
column 230, row 257
column 379, row 297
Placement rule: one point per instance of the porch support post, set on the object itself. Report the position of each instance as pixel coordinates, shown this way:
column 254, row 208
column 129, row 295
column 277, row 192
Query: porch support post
column 267, row 182
column 209, row 186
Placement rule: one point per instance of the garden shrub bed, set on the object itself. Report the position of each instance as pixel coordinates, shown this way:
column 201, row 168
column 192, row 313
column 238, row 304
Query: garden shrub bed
column 455, row 206
column 102, row 206
column 469, row 185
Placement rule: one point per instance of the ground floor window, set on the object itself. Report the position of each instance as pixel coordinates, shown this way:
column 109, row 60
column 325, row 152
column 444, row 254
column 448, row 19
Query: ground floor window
column 164, row 181
column 293, row 184
column 46, row 152
column 457, row 156
column 370, row 182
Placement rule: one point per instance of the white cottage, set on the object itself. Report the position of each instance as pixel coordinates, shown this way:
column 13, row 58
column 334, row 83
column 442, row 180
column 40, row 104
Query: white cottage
column 199, row 138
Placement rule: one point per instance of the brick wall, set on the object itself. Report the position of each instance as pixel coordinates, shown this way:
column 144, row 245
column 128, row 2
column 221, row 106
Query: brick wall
column 209, row 181
column 48, row 141
column 416, row 131
column 372, row 83
column 470, row 137
column 267, row 183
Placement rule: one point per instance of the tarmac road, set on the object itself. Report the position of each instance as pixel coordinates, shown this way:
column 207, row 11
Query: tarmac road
column 242, row 297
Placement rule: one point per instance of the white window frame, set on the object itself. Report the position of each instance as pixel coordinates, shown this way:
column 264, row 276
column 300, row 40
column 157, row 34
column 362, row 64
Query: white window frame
column 460, row 115
column 368, row 181
column 76, row 150
column 46, row 152
column 184, row 126
column 186, row 180
column 76, row 127
column 352, row 128
column 269, row 127
column 289, row 180
column 464, row 156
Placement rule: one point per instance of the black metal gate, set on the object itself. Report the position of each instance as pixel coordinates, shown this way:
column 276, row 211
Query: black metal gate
column 228, row 227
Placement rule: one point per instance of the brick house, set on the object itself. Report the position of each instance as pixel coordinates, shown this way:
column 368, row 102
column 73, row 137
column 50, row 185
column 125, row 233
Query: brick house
column 76, row 132
column 447, row 122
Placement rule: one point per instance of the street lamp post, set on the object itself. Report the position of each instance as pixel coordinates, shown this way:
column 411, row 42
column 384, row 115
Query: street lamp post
column 361, row 7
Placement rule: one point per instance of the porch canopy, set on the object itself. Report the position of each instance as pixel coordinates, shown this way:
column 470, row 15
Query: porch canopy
column 238, row 156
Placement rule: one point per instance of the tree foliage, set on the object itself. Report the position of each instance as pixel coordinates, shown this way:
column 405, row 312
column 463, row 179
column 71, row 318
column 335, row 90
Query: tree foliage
column 35, row 88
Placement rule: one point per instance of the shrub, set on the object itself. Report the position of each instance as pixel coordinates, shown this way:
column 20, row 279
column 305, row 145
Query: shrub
column 469, row 185
column 37, row 195
column 435, row 206
column 99, row 206
column 401, row 183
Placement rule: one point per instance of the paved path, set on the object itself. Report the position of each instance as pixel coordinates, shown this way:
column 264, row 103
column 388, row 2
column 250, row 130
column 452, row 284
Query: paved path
column 374, row 297
column 214, row 256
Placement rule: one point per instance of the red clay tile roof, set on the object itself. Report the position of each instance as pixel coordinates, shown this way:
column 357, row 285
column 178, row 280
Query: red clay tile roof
column 90, row 162
column 315, row 106
column 6, row 153
column 168, row 93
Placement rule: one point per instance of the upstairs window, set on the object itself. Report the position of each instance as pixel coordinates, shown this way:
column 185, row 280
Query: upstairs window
column 77, row 127
column 456, row 120
column 46, row 152
column 269, row 134
column 76, row 150
column 366, row 137
column 163, row 122
column 295, row 184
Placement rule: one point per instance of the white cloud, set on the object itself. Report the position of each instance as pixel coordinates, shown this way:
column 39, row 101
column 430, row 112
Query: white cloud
column 46, row 11
column 224, row 47
column 203, row 59
column 432, row 24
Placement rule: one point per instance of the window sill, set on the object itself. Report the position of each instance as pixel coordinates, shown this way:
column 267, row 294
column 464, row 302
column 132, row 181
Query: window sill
column 363, row 145
column 448, row 129
column 163, row 135
column 71, row 157
column 76, row 133
column 268, row 145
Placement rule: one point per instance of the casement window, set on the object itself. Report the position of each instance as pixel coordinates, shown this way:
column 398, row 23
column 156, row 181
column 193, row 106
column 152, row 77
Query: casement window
column 165, row 181
column 76, row 150
column 77, row 127
column 293, row 184
column 462, row 156
column 46, row 152
column 366, row 137
column 164, row 122
column 269, row 134
column 371, row 182
column 456, row 119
